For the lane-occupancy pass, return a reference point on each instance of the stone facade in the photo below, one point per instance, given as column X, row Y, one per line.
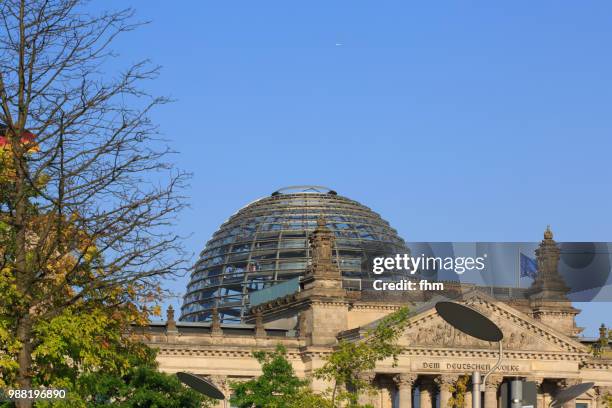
column 540, row 342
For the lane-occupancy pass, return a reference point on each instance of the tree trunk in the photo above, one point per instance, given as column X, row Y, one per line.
column 24, row 377
column 24, row 322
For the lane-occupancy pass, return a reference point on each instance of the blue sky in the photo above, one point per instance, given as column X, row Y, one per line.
column 457, row 121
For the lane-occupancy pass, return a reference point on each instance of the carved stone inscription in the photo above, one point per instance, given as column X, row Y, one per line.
column 467, row 366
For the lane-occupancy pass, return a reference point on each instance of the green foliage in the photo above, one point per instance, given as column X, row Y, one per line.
column 89, row 354
column 76, row 342
column 140, row 387
column 9, row 346
column 458, row 390
column 277, row 387
column 351, row 359
column 608, row 400
column 306, row 398
column 82, row 347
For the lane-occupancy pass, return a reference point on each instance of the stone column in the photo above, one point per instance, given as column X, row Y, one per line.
column 171, row 330
column 404, row 383
column 539, row 382
column 223, row 384
column 445, row 382
column 490, row 398
column 365, row 396
column 260, row 330
column 426, row 388
column 215, row 324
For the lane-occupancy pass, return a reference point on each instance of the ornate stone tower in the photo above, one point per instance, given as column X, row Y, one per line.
column 327, row 310
column 548, row 283
column 548, row 293
column 323, row 277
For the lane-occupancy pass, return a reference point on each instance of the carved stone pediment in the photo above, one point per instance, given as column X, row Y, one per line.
column 521, row 332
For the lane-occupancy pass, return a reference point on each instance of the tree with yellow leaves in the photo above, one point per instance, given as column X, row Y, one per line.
column 88, row 197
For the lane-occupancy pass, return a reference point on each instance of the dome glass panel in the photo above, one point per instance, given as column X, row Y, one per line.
column 266, row 243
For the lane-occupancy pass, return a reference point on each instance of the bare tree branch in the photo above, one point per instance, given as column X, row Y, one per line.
column 100, row 166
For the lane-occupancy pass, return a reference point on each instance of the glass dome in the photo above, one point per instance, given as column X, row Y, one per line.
column 266, row 243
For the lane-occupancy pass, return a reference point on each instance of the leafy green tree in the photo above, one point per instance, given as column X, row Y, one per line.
column 90, row 355
column 306, row 398
column 141, row 385
column 277, row 387
column 458, row 391
column 345, row 366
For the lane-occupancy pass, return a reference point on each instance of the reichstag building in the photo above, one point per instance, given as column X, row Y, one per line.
column 295, row 268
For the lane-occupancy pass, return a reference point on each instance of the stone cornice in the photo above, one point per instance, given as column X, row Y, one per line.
column 328, row 303
column 492, row 354
column 374, row 306
column 227, row 340
column 597, row 364
column 218, row 352
column 308, row 353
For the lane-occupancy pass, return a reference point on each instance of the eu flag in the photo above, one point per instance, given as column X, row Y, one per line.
column 529, row 267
